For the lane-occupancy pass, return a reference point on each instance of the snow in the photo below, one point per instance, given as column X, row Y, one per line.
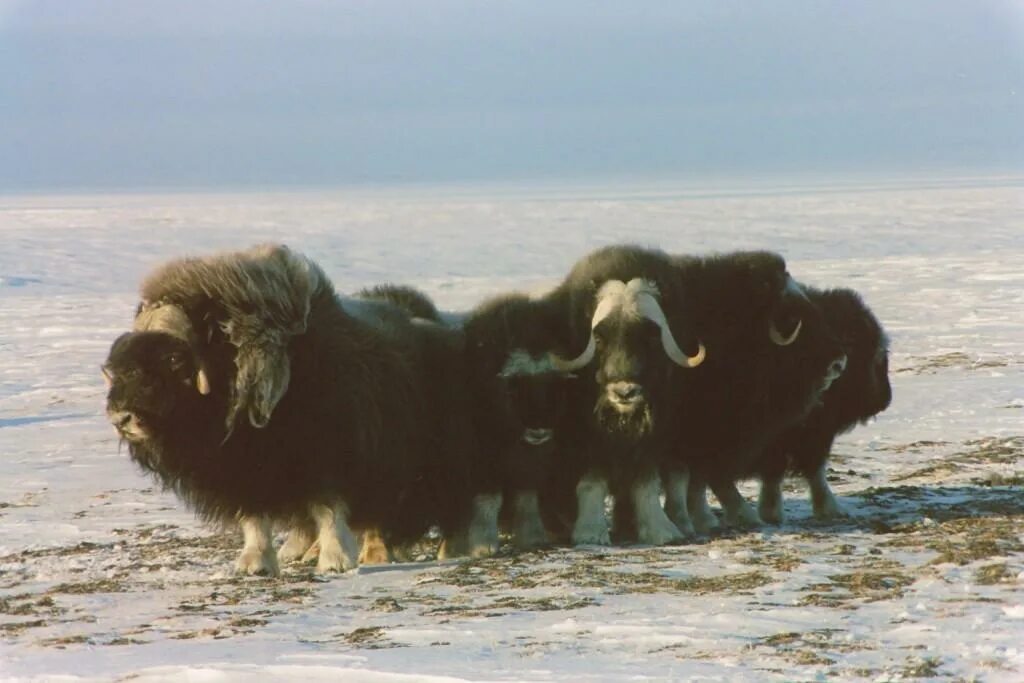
column 104, row 576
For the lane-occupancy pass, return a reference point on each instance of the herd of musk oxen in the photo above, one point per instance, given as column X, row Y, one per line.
column 260, row 396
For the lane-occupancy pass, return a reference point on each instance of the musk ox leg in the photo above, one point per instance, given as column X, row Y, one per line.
column 338, row 548
column 301, row 537
column 591, row 519
column 676, row 490
column 257, row 555
column 704, row 520
column 770, row 501
column 483, row 530
column 653, row 527
column 822, row 499
column 480, row 539
column 374, row 550
column 738, row 512
column 529, row 527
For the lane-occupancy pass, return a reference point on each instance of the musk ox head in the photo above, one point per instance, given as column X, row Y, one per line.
column 534, row 395
column 864, row 389
column 634, row 351
column 156, row 384
column 519, row 389
column 253, row 301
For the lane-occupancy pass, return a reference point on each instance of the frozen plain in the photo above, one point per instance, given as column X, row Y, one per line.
column 103, row 576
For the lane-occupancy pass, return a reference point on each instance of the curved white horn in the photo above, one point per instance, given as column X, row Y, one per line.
column 648, row 307
column 776, row 336
column 609, row 297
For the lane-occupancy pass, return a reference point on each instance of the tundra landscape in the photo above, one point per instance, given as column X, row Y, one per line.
column 105, row 576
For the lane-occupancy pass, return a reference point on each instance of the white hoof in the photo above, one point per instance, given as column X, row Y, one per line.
column 256, row 562
column 658, row 532
column 295, row 546
column 591, row 534
column 770, row 502
column 743, row 515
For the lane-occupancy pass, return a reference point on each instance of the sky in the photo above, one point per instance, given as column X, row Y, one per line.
column 151, row 94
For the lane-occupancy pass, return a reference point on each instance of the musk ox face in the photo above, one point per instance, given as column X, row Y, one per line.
column 634, row 352
column 154, row 380
column 534, row 396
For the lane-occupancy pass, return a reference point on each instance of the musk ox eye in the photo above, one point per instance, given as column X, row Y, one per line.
column 176, row 360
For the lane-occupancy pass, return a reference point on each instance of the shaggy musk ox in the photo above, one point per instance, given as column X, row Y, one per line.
column 861, row 392
column 770, row 355
column 251, row 390
column 518, row 405
column 623, row 305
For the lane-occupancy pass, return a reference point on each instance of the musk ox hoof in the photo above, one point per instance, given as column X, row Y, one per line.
column 659, row 532
column 256, row 562
column 374, row 552
column 683, row 522
column 591, row 534
column 312, row 553
column 704, row 521
column 829, row 508
column 296, row 547
column 743, row 516
column 334, row 560
column 771, row 512
column 531, row 536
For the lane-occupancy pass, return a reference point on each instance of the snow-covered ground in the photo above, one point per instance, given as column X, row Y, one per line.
column 103, row 576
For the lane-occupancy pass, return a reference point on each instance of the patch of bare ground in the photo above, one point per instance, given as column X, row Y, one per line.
column 497, row 574
column 1005, row 450
column 930, row 365
column 964, row 540
column 820, row 647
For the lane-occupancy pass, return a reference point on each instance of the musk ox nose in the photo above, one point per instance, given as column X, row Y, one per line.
column 120, row 418
column 625, row 392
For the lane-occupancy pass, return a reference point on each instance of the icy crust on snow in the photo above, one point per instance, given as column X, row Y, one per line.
column 103, row 576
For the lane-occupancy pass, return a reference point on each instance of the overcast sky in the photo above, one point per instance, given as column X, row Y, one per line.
column 225, row 93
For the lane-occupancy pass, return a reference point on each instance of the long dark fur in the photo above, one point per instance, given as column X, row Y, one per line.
column 623, row 448
column 624, row 445
column 749, row 390
column 510, row 398
column 362, row 418
column 860, row 393
column 409, row 299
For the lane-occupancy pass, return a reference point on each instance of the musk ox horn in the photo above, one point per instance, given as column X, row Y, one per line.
column 648, row 307
column 172, row 320
column 609, row 297
column 777, row 337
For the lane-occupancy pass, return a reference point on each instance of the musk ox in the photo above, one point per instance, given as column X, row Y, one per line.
column 861, row 392
column 252, row 391
column 629, row 343
column 519, row 399
column 770, row 356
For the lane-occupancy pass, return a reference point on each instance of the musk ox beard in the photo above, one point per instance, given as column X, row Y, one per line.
column 248, row 389
column 860, row 393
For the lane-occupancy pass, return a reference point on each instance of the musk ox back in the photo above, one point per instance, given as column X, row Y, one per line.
column 627, row 338
column 247, row 389
column 770, row 355
column 862, row 391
